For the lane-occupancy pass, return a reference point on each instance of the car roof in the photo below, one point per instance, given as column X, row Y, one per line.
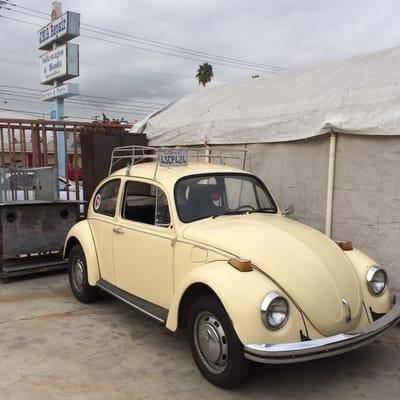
column 169, row 175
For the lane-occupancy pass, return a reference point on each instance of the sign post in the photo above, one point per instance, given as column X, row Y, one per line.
column 59, row 64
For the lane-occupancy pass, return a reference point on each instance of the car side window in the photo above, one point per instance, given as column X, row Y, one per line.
column 105, row 201
column 145, row 203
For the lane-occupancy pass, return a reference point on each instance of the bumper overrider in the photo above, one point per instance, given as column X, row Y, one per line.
column 286, row 353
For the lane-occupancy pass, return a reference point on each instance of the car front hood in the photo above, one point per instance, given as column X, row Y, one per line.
column 306, row 264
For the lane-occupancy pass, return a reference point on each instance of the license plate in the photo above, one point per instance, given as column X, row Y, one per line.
column 173, row 157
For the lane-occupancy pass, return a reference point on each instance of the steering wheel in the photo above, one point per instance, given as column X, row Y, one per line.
column 245, row 206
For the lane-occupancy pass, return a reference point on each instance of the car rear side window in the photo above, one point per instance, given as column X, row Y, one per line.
column 145, row 203
column 105, row 201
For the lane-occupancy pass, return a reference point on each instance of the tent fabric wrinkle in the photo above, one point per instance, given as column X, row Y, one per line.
column 360, row 95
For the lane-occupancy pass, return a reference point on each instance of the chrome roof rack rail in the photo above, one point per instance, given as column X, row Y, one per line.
column 137, row 154
column 133, row 155
column 219, row 153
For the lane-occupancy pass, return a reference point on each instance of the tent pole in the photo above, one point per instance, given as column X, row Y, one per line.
column 207, row 154
column 331, row 181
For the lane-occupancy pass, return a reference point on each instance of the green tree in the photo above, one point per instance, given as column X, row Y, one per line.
column 204, row 73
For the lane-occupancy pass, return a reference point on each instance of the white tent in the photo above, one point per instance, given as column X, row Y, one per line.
column 326, row 139
column 360, row 95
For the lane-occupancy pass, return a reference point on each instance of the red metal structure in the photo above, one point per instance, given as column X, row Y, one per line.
column 33, row 143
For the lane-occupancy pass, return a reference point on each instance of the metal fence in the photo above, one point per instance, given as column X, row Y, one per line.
column 33, row 143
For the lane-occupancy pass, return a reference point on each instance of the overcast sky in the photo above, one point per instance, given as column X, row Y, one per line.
column 292, row 34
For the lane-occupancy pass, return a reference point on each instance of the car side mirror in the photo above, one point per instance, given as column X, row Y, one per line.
column 288, row 210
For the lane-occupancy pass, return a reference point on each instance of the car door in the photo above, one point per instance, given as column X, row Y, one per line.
column 101, row 223
column 143, row 243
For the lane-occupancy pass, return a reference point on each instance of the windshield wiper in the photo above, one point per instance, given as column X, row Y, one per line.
column 263, row 210
column 233, row 212
column 240, row 212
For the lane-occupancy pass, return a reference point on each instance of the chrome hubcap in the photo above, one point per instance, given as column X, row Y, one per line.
column 77, row 273
column 210, row 342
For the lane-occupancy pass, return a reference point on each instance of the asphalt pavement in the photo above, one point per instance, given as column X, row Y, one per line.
column 53, row 347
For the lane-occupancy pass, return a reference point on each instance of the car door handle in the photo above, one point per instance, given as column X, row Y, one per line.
column 118, row 230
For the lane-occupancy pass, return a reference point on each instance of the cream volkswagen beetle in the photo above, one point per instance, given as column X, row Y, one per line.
column 204, row 246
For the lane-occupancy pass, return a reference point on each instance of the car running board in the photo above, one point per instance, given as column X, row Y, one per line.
column 152, row 310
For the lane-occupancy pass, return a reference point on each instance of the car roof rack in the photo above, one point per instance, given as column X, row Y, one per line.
column 133, row 155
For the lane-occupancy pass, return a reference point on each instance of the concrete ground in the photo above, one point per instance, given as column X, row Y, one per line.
column 52, row 347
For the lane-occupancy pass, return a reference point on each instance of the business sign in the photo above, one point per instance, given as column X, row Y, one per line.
column 60, row 30
column 62, row 91
column 60, row 64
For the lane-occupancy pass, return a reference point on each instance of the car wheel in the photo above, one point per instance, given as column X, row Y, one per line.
column 215, row 347
column 78, row 277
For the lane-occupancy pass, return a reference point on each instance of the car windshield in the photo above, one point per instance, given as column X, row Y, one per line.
column 213, row 195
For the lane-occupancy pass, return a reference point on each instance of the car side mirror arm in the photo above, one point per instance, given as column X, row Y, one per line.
column 288, row 210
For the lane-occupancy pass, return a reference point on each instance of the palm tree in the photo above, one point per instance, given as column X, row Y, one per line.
column 204, row 73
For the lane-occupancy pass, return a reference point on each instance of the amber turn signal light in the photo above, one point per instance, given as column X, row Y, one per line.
column 346, row 246
column 241, row 264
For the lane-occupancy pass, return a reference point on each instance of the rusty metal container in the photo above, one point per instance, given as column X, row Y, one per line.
column 32, row 235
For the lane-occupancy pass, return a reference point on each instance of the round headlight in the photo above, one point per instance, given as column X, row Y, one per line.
column 376, row 281
column 274, row 311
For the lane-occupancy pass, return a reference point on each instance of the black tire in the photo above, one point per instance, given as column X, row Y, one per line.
column 234, row 366
column 81, row 290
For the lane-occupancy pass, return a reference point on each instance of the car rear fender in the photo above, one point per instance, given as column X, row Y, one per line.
column 82, row 234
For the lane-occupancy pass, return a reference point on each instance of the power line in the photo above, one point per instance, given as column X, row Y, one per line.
column 20, row 87
column 187, row 50
column 23, row 111
column 115, row 99
column 28, row 9
column 108, row 110
column 171, row 54
column 117, row 73
column 43, row 113
column 210, row 57
column 81, row 106
column 106, row 102
column 152, row 50
column 20, row 12
column 163, row 44
column 119, row 106
column 91, row 96
column 98, row 103
column 216, row 59
column 20, row 20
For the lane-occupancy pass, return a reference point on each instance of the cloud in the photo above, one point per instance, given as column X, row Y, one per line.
column 280, row 32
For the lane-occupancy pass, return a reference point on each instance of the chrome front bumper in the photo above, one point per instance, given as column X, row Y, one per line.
column 286, row 353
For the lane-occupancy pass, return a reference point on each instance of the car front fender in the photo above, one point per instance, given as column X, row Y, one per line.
column 361, row 263
column 82, row 234
column 241, row 294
